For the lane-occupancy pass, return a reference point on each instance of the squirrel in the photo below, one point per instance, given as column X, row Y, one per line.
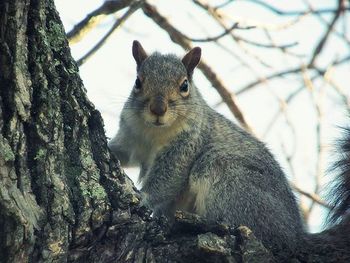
column 193, row 159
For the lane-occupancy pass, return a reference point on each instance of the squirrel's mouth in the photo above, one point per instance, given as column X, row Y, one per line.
column 158, row 123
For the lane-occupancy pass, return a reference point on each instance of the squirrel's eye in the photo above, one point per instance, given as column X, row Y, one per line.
column 184, row 88
column 137, row 86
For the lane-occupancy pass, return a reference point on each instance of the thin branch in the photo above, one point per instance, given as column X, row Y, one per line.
column 115, row 26
column 266, row 78
column 219, row 19
column 281, row 47
column 229, row 51
column 223, row 4
column 213, row 10
column 284, row 25
column 295, row 12
column 81, row 29
column 320, row 149
column 225, row 33
column 94, row 18
column 257, row 44
column 338, row 89
column 285, row 73
column 322, row 42
column 284, row 105
column 238, row 58
column 342, row 35
column 314, row 197
column 177, row 37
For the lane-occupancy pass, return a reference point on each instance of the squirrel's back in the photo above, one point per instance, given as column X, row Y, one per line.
column 237, row 180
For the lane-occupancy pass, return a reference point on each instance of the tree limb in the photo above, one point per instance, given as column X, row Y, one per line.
column 95, row 17
column 116, row 25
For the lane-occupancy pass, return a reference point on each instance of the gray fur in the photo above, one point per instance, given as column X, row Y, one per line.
column 200, row 162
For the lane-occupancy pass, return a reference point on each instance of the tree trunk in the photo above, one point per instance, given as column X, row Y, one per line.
column 62, row 196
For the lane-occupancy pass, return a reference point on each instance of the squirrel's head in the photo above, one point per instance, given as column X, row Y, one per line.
column 163, row 87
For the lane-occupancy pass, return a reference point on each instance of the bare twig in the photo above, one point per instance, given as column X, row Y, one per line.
column 321, row 43
column 312, row 196
column 342, row 35
column 116, row 25
column 290, row 97
column 219, row 19
column 223, row 4
column 285, row 73
column 292, row 13
column 257, row 44
column 225, row 33
column 94, row 18
column 269, row 77
column 320, row 150
column 282, row 47
column 340, row 91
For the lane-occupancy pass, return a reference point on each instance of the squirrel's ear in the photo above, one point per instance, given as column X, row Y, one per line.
column 138, row 53
column 191, row 60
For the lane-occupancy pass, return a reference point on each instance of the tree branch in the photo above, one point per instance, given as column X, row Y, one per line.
column 95, row 17
column 286, row 72
column 225, row 33
column 115, row 26
column 312, row 196
column 322, row 42
column 295, row 12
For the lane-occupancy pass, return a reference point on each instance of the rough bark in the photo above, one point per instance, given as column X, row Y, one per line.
column 62, row 196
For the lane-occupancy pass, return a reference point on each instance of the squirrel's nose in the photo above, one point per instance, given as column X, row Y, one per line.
column 158, row 107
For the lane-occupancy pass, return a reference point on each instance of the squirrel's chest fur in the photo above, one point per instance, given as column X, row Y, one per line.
column 153, row 145
column 175, row 158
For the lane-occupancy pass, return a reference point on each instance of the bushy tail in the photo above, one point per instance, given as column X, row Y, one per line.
column 333, row 244
column 340, row 195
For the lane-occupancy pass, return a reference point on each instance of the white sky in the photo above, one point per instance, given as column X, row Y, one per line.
column 109, row 75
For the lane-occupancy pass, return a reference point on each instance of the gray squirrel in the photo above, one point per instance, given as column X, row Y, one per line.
column 193, row 159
